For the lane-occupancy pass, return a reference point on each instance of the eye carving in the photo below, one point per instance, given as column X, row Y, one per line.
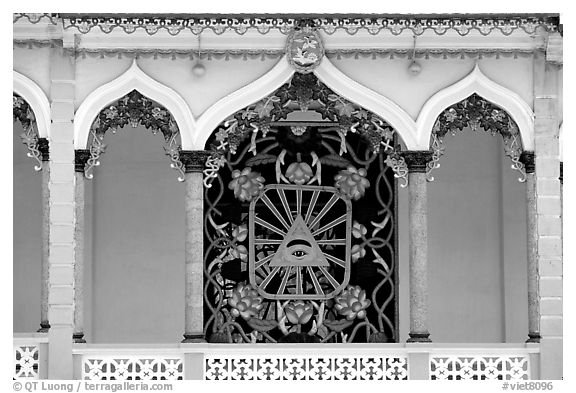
column 299, row 253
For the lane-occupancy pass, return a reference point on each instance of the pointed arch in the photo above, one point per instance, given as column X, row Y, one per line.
column 476, row 82
column 35, row 97
column 343, row 85
column 133, row 79
column 387, row 109
column 237, row 100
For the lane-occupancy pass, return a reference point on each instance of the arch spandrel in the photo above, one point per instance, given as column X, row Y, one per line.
column 384, row 107
column 340, row 83
column 35, row 97
column 133, row 79
column 227, row 106
column 476, row 83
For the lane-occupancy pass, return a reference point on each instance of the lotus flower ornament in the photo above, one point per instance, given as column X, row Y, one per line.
column 352, row 182
column 299, row 173
column 245, row 302
column 246, row 184
column 352, row 303
column 298, row 312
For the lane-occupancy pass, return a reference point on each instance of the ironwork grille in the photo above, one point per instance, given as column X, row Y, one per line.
column 300, row 226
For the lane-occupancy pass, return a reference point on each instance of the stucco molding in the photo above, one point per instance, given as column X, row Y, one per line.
column 387, row 109
column 239, row 99
column 35, row 97
column 133, row 79
column 476, row 82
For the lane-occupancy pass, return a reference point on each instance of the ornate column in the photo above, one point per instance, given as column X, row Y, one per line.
column 194, row 249
column 418, row 220
column 527, row 158
column 44, row 150
column 62, row 243
column 547, row 90
column 80, row 158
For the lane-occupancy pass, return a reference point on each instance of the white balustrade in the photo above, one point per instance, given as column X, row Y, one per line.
column 305, row 368
column 29, row 355
column 504, row 363
column 306, row 361
column 112, row 362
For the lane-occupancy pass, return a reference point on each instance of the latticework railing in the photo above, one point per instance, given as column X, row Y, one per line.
column 132, row 365
column 483, row 362
column 306, row 368
column 352, row 361
column 479, row 367
column 29, row 355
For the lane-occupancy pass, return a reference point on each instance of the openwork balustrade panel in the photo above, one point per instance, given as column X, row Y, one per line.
column 26, row 362
column 132, row 368
column 306, row 368
column 479, row 367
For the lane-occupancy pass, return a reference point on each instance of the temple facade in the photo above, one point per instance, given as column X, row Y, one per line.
column 227, row 197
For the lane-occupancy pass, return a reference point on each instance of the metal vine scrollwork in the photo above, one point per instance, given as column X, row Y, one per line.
column 476, row 112
column 135, row 109
column 299, row 94
column 300, row 222
column 22, row 112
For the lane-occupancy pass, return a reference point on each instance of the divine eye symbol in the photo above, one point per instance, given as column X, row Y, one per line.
column 299, row 253
column 299, row 242
column 299, row 248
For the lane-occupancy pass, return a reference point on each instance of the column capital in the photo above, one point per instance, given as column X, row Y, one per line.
column 81, row 156
column 417, row 160
column 194, row 160
column 44, row 149
column 527, row 158
column 554, row 48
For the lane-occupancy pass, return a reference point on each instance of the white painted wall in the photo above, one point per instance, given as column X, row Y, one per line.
column 35, row 64
column 387, row 77
column 27, row 218
column 221, row 78
column 476, row 244
column 391, row 78
column 136, row 257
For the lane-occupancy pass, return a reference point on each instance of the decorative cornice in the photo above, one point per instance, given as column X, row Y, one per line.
column 191, row 54
column 35, row 18
column 440, row 53
column 44, row 149
column 194, row 160
column 263, row 54
column 31, row 43
column 417, row 160
column 327, row 23
column 81, row 157
column 527, row 158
